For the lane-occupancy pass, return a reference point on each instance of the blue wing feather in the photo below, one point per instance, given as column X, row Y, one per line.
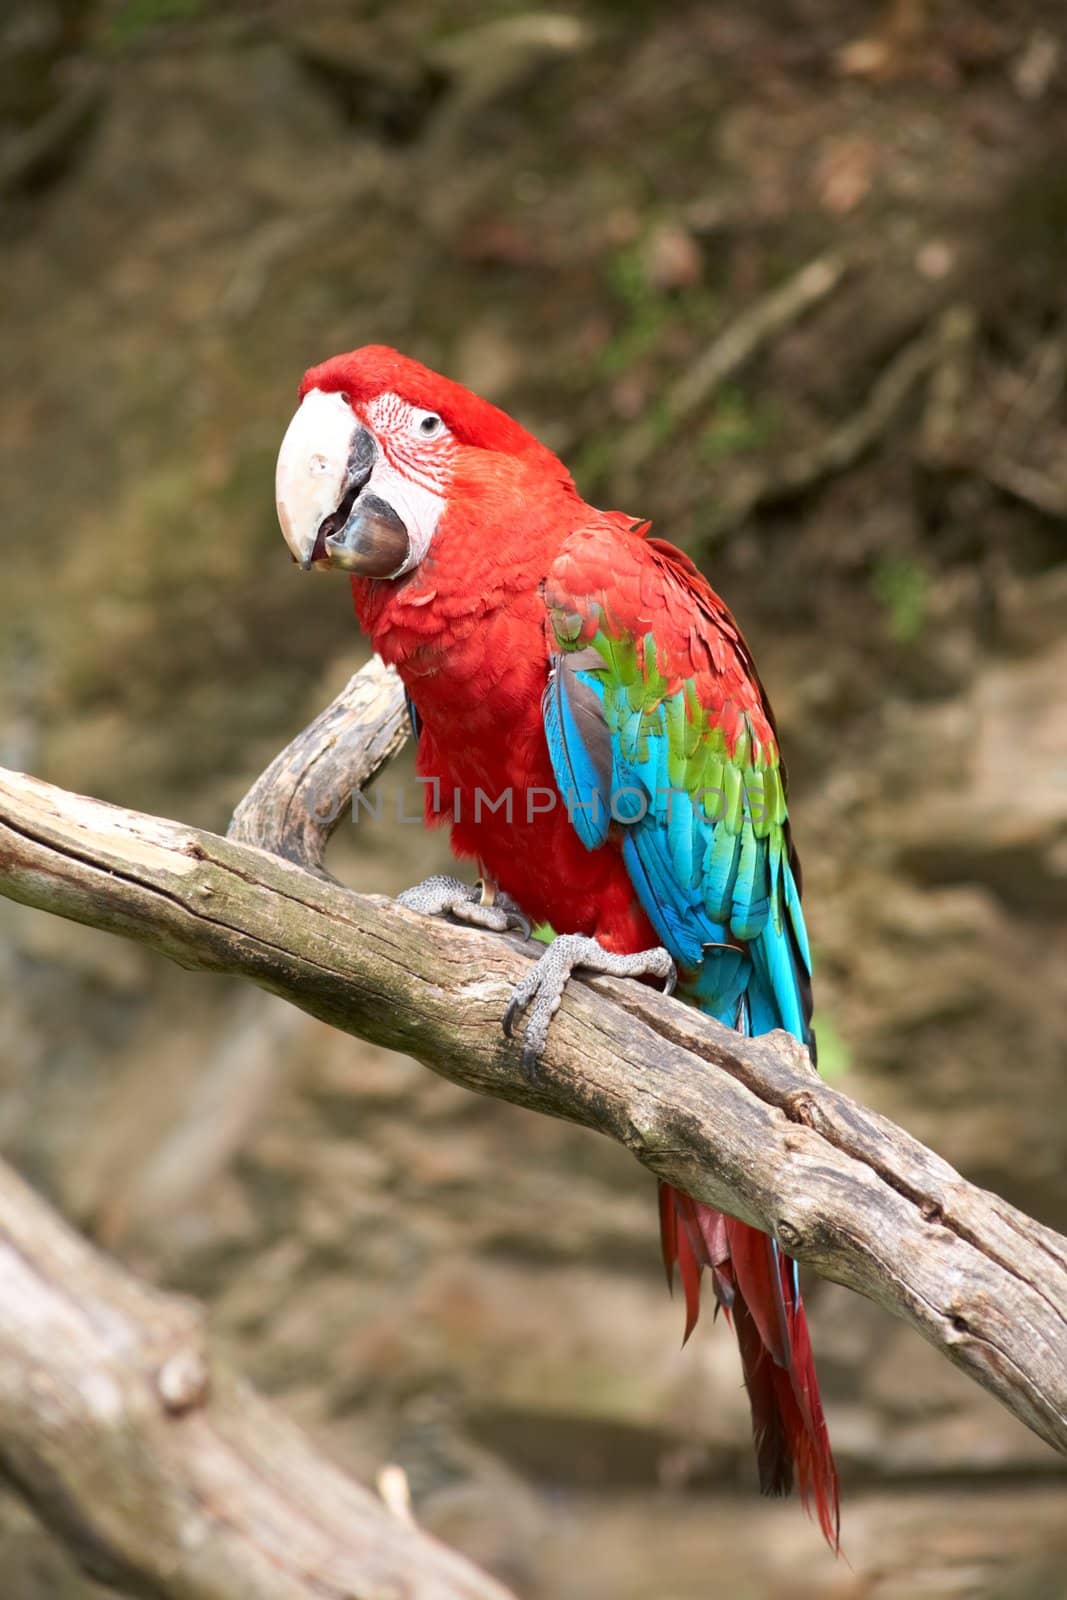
column 583, row 785
column 717, row 886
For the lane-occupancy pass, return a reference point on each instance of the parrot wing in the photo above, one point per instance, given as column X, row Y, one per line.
column 657, row 724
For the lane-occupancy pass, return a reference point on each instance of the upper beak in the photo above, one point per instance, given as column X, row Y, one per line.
column 324, row 464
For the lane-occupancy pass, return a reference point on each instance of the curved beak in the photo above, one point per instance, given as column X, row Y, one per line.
column 327, row 515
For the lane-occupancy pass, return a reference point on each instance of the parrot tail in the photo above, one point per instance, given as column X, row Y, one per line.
column 756, row 1286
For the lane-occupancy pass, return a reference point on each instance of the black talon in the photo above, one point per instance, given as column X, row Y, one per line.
column 508, row 1020
column 531, row 1064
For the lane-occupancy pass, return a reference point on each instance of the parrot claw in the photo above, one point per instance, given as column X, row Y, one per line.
column 503, row 917
column 479, row 906
column 541, row 991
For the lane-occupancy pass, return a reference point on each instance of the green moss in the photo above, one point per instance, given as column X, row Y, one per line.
column 901, row 586
column 137, row 17
column 740, row 424
column 835, row 1057
column 646, row 312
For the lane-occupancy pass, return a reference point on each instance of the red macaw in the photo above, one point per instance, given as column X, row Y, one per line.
column 561, row 656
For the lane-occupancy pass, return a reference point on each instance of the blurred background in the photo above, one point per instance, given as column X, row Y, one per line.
column 564, row 209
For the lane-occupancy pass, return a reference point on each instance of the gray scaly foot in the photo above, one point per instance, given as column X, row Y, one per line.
column 541, row 991
column 480, row 904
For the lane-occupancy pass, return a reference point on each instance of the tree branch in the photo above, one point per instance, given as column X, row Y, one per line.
column 296, row 805
column 727, row 354
column 760, row 1135
column 836, row 450
column 162, row 1472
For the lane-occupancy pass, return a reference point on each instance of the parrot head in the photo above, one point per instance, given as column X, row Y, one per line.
column 381, row 450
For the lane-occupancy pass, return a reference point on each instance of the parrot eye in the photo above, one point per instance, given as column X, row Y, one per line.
column 430, row 425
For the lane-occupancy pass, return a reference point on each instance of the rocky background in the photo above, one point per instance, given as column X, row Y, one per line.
column 565, row 210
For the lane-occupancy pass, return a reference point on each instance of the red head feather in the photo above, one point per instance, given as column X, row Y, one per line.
column 376, row 369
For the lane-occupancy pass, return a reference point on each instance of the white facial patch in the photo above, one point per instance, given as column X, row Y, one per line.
column 412, row 473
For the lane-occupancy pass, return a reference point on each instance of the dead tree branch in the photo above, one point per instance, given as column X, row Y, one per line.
column 838, row 450
column 726, row 355
column 743, row 1124
column 295, row 806
column 162, row 1472
column 944, row 443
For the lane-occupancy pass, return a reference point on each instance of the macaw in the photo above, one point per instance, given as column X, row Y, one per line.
column 563, row 657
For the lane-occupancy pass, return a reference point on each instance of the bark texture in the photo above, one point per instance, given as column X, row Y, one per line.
column 162, row 1472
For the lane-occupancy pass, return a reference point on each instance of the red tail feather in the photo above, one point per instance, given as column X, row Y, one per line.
column 754, row 1285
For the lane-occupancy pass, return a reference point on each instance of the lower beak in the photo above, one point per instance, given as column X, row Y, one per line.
column 328, row 516
column 372, row 543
